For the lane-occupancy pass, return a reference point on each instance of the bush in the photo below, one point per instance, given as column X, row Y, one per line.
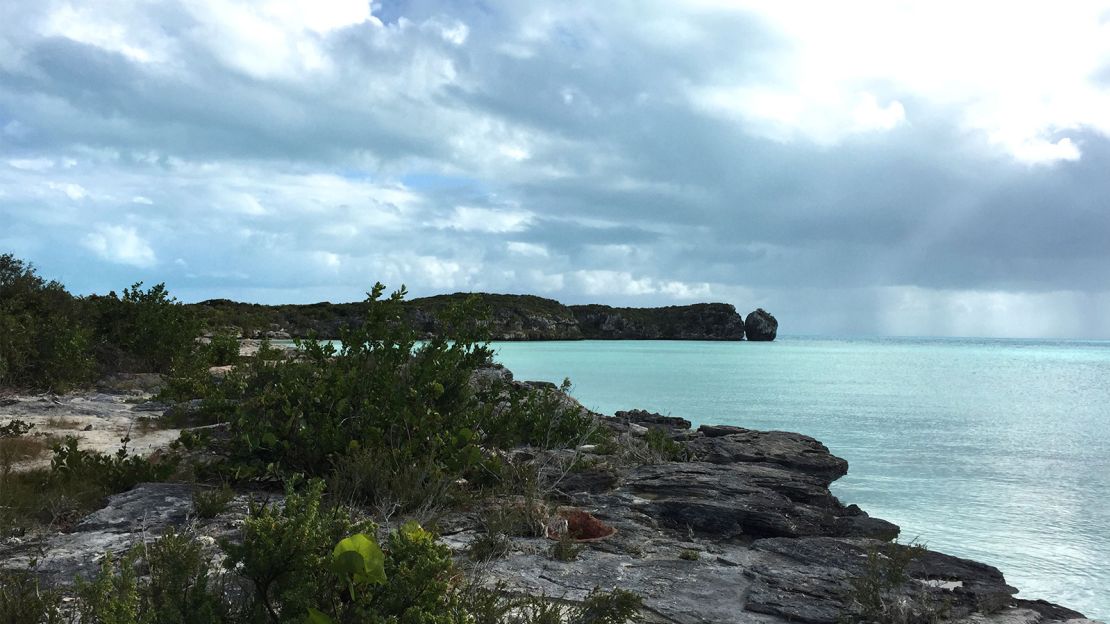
column 176, row 591
column 42, row 342
column 222, row 350
column 144, row 331
column 209, row 503
column 180, row 590
column 615, row 607
column 543, row 418
column 881, row 593
column 24, row 601
column 285, row 553
column 109, row 473
column 406, row 403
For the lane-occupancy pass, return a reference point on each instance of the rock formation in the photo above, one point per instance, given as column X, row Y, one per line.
column 743, row 529
column 760, row 326
column 512, row 317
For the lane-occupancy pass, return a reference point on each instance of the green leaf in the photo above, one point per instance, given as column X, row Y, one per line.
column 358, row 558
column 318, row 617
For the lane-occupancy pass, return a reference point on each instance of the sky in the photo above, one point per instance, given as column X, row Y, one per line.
column 861, row 167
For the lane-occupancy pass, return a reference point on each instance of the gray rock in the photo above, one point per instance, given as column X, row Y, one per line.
column 747, row 499
column 760, row 326
column 792, row 451
column 810, row 580
column 146, row 510
column 652, row 420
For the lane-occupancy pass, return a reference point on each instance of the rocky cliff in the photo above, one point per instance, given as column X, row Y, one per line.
column 526, row 317
column 511, row 317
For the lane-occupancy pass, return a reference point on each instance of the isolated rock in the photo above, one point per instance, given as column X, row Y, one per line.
column 760, row 326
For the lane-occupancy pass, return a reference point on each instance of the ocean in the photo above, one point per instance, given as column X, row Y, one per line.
column 995, row 450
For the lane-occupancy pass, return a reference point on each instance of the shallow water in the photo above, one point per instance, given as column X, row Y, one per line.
column 996, row 450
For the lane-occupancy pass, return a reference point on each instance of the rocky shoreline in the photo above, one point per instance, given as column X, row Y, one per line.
column 737, row 525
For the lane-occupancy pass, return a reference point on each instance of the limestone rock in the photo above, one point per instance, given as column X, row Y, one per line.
column 790, row 450
column 760, row 326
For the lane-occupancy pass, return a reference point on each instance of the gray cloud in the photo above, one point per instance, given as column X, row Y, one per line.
column 577, row 152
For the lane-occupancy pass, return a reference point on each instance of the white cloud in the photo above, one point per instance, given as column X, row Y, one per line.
column 1017, row 72
column 527, row 249
column 69, row 189
column 472, row 219
column 120, row 244
column 609, row 283
column 31, row 164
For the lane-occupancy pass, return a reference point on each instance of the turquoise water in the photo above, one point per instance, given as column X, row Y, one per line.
column 996, row 450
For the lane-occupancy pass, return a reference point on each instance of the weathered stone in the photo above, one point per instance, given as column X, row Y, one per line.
column 652, row 420
column 793, row 451
column 751, row 500
column 760, row 326
column 809, row 579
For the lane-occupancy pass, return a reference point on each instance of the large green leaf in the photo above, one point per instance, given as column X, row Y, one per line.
column 318, row 617
column 359, row 559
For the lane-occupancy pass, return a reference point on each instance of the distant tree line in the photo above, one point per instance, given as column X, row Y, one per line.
column 50, row 339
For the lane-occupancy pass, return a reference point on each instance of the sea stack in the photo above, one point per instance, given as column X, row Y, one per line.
column 760, row 326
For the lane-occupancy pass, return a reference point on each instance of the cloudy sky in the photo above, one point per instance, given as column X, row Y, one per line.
column 870, row 167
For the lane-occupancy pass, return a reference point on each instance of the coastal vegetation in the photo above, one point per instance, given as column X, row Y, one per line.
column 329, row 482
column 396, row 424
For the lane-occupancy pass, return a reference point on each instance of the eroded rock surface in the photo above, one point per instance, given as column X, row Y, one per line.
column 99, row 420
column 745, row 531
column 139, row 515
column 760, row 326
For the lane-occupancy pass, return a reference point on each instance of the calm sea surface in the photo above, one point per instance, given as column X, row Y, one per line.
column 997, row 450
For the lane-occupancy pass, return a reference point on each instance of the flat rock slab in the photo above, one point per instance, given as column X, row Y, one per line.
column 810, row 579
column 98, row 420
column 746, row 500
column 793, row 451
column 130, row 518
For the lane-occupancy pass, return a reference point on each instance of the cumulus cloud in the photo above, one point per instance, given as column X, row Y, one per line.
column 120, row 244
column 847, row 166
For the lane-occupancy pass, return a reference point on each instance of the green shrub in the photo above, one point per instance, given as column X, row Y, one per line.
column 180, row 590
column 614, row 607
column 43, row 343
column 15, row 428
column 565, row 548
column 110, row 473
column 543, row 418
column 881, row 594
column 488, row 546
column 211, row 502
column 286, row 551
column 24, row 601
column 406, row 403
column 143, row 331
column 177, row 589
column 112, row 596
column 663, row 446
column 222, row 350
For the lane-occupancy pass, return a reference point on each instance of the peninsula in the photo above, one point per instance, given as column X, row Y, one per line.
column 510, row 317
